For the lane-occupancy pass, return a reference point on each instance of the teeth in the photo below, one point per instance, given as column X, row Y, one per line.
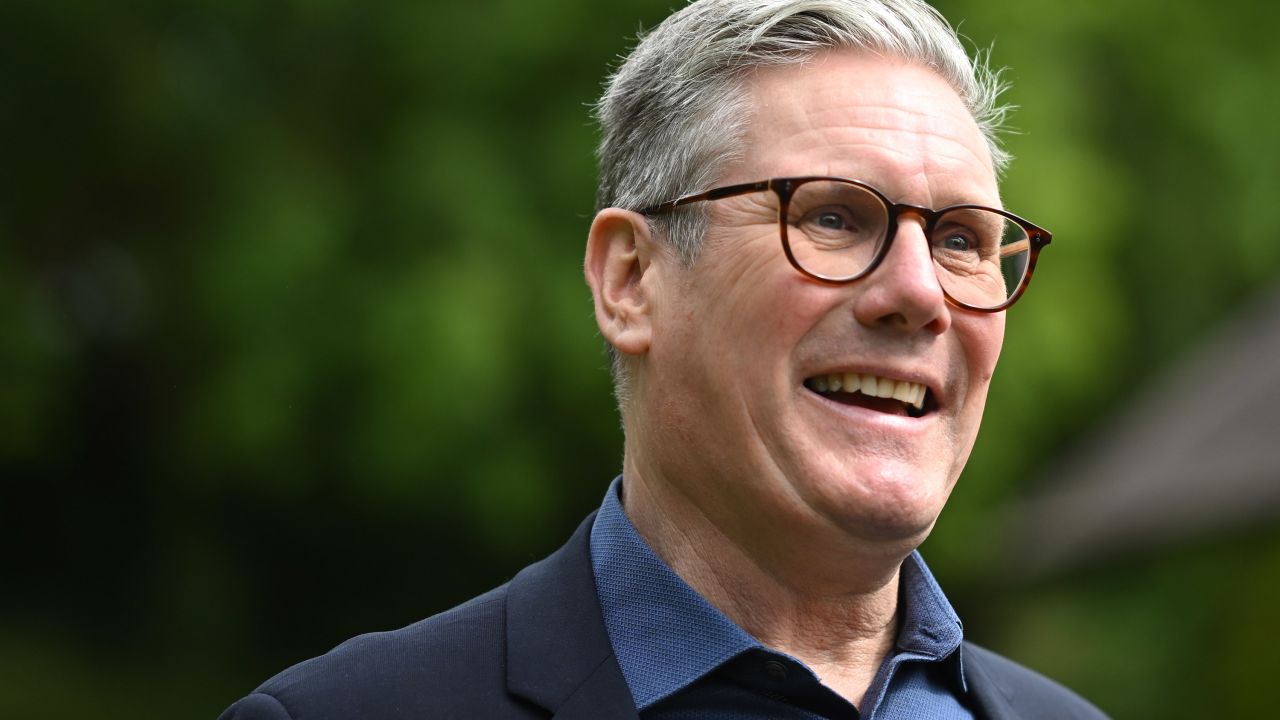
column 902, row 390
column 906, row 392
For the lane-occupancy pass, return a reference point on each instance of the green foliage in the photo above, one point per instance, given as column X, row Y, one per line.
column 297, row 344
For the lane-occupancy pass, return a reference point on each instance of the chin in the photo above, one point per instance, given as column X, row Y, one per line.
column 883, row 504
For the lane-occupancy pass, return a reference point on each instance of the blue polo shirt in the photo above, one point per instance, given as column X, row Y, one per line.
column 685, row 660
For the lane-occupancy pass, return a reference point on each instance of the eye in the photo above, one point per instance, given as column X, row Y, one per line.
column 831, row 220
column 956, row 242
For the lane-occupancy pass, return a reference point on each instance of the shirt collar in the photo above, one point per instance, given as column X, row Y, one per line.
column 666, row 636
column 929, row 627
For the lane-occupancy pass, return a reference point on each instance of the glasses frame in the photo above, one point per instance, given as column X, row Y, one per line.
column 785, row 188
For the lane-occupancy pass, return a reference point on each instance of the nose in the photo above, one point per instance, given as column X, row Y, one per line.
column 903, row 293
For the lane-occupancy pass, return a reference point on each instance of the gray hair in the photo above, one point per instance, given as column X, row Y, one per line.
column 674, row 113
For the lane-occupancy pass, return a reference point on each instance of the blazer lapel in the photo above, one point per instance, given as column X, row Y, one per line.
column 992, row 696
column 558, row 652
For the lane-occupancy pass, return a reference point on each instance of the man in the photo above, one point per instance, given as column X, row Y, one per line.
column 801, row 266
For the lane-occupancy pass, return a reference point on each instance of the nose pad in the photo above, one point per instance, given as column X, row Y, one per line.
column 910, row 251
column 904, row 290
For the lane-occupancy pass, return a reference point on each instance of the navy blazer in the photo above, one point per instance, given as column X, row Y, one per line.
column 537, row 648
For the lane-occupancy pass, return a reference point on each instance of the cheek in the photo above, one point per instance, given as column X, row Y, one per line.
column 761, row 306
column 983, row 336
column 773, row 324
column 981, row 339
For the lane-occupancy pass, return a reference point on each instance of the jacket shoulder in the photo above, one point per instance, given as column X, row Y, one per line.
column 1024, row 691
column 450, row 665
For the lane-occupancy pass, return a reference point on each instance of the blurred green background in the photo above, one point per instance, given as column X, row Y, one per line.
column 295, row 343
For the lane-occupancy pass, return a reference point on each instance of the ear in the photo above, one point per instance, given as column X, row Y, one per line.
column 619, row 254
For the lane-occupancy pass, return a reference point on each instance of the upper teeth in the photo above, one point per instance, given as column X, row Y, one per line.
column 873, row 385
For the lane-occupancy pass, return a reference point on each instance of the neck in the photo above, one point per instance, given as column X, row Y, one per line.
column 834, row 611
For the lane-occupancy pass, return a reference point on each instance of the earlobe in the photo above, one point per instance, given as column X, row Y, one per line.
column 619, row 254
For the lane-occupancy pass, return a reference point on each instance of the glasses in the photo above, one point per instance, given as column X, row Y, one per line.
column 837, row 231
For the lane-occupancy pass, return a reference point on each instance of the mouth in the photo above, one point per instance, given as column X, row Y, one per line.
column 881, row 394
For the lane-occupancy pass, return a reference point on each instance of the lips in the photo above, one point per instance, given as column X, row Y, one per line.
column 890, row 395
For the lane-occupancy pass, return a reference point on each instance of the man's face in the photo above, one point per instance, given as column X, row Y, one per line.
column 740, row 337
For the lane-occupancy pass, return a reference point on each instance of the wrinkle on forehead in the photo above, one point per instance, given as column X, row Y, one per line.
column 929, row 132
column 907, row 132
column 903, row 166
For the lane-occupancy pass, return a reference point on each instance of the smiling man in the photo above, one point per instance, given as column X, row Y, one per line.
column 801, row 265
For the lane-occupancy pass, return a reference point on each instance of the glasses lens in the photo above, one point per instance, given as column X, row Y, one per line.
column 980, row 255
column 835, row 229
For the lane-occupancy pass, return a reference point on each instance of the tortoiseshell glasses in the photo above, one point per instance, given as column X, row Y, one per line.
column 837, row 230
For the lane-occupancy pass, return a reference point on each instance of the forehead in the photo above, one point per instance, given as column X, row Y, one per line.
column 887, row 121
